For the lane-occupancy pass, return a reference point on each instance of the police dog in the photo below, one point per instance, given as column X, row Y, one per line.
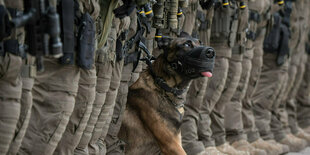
column 153, row 117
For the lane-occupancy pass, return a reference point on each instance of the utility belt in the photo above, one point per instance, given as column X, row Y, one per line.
column 82, row 40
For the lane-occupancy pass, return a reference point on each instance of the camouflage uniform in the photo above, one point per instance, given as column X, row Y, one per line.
column 10, row 84
column 262, row 8
column 212, row 109
column 108, row 71
column 296, row 71
column 28, row 73
column 54, row 95
column 84, row 99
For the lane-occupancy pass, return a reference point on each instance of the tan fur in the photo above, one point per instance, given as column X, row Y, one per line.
column 151, row 121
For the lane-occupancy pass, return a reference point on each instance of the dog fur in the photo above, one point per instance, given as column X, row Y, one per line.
column 152, row 122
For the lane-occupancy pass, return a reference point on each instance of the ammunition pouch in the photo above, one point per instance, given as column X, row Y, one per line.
column 12, row 46
column 225, row 25
column 86, row 42
column 272, row 40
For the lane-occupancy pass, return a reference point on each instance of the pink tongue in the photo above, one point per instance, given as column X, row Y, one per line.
column 206, row 74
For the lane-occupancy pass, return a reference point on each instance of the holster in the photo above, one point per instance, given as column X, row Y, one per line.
column 86, row 42
column 284, row 49
column 272, row 40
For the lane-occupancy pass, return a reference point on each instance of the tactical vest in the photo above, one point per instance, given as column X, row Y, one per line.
column 225, row 25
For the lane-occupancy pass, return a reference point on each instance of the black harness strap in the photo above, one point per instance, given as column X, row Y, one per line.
column 159, row 81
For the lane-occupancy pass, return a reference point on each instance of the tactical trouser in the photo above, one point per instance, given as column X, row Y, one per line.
column 291, row 106
column 267, row 91
column 218, row 114
column 81, row 113
column 104, row 74
column 28, row 73
column 102, row 126
column 213, row 93
column 190, row 17
column 303, row 98
column 10, row 95
column 234, row 108
column 105, row 86
column 189, row 127
column 279, row 118
column 248, row 118
column 113, row 144
column 286, row 113
column 54, row 95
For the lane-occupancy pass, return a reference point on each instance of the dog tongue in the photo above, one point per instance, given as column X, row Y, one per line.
column 206, row 74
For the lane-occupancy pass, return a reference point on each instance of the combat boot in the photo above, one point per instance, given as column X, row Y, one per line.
column 295, row 144
column 269, row 148
column 282, row 147
column 243, row 145
column 213, row 151
column 303, row 135
column 229, row 150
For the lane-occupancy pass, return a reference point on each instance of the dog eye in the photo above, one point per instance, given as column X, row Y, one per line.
column 187, row 44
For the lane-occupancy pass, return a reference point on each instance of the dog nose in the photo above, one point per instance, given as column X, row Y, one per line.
column 210, row 53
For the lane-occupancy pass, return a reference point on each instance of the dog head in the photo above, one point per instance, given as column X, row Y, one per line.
column 188, row 57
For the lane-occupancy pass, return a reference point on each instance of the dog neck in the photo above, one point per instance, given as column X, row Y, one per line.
column 162, row 69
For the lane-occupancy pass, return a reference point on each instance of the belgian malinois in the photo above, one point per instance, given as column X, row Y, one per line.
column 152, row 117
